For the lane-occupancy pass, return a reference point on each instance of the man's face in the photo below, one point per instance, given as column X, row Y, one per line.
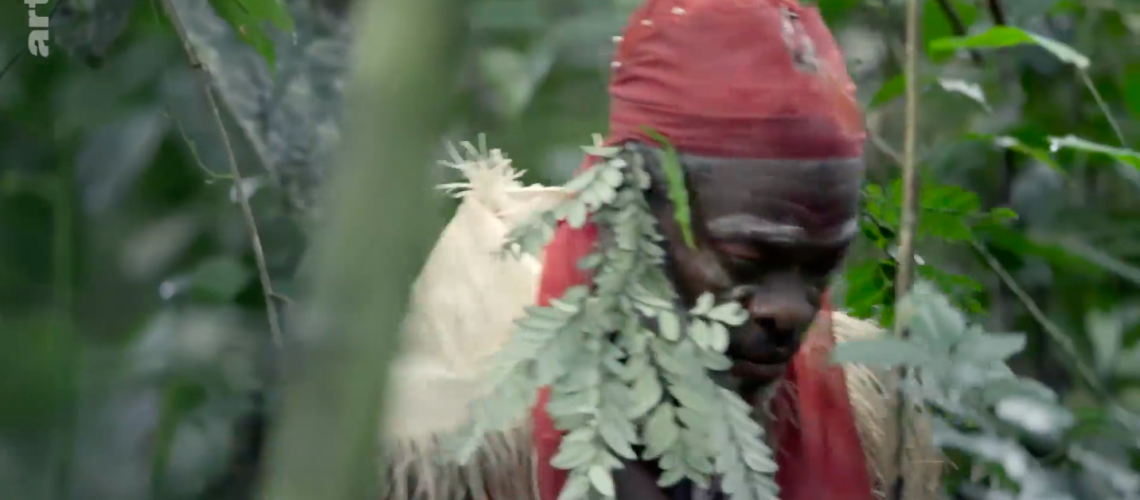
column 769, row 234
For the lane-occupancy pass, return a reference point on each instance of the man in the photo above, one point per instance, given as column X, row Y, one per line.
column 755, row 96
column 756, row 99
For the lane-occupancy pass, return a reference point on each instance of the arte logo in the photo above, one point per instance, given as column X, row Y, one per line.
column 37, row 29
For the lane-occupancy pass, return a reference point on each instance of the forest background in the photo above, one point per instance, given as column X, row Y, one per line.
column 145, row 329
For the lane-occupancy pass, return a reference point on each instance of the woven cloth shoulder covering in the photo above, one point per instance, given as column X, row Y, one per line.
column 741, row 78
column 875, row 418
column 462, row 310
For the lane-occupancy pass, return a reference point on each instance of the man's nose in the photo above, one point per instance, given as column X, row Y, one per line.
column 781, row 320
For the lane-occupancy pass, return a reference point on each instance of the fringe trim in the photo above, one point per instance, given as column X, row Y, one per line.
column 490, row 178
column 503, row 469
column 420, row 467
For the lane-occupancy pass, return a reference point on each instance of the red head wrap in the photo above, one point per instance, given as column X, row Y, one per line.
column 747, row 79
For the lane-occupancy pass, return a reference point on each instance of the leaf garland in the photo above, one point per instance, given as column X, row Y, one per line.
column 629, row 370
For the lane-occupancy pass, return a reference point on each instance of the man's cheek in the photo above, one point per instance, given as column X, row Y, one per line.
column 711, row 271
column 695, row 272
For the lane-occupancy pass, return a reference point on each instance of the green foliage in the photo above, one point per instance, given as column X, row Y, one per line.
column 678, row 188
column 1126, row 156
column 986, row 417
column 947, row 214
column 248, row 18
column 616, row 383
column 1008, row 36
column 219, row 279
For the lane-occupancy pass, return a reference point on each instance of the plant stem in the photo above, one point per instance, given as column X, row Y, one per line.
column 907, row 224
column 1103, row 106
column 378, row 223
column 1062, row 339
column 909, row 216
column 958, row 27
column 203, row 74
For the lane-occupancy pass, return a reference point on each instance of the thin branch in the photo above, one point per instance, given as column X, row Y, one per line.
column 1009, row 158
column 996, row 11
column 883, row 146
column 957, row 26
column 203, row 74
column 907, row 224
column 1062, row 339
column 211, row 176
column 909, row 216
column 1103, row 106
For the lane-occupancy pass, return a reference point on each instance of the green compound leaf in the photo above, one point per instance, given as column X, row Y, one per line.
column 678, row 193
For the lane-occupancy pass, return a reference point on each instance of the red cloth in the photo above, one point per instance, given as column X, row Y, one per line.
column 814, row 425
column 559, row 272
column 717, row 78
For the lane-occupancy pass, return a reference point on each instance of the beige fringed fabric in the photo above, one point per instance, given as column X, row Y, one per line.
column 876, row 419
column 463, row 307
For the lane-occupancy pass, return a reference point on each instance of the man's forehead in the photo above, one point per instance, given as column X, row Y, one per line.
column 790, row 200
column 748, row 172
column 752, row 227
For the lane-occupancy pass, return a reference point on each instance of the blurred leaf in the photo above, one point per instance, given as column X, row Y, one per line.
column 935, row 25
column 219, row 279
column 1035, row 415
column 1015, row 144
column 890, row 90
column 999, row 389
column 885, row 352
column 37, row 361
column 1106, row 334
column 248, row 18
column 988, row 348
column 965, row 88
column 86, row 30
column 1100, row 258
column 964, row 291
column 1008, row 36
column 868, row 287
column 515, row 76
column 1132, row 89
column 1126, row 156
column 179, row 398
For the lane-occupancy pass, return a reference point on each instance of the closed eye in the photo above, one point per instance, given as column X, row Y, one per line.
column 739, row 251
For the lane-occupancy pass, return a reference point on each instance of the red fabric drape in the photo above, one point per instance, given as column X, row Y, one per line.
column 717, row 78
column 819, row 454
